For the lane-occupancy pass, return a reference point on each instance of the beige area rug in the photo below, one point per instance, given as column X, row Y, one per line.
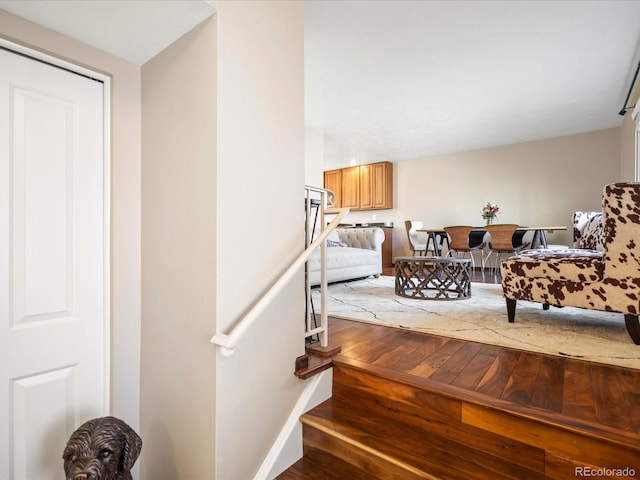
column 569, row 332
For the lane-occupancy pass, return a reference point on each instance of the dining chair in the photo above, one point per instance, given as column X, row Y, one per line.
column 418, row 247
column 505, row 238
column 415, row 241
column 459, row 243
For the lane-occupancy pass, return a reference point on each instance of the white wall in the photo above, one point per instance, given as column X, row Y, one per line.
column 178, row 257
column 260, row 214
column 125, row 200
column 223, row 189
column 256, row 195
column 534, row 183
column 313, row 156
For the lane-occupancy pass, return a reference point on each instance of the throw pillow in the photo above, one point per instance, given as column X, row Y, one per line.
column 333, row 236
column 333, row 243
column 593, row 234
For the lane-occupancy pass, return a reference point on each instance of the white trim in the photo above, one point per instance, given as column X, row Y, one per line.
column 56, row 62
column 302, row 405
column 635, row 115
column 106, row 149
column 106, row 152
column 635, row 112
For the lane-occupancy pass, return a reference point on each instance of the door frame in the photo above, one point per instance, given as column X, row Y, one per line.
column 635, row 116
column 106, row 162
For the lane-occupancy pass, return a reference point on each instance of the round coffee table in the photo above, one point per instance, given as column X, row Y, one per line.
column 433, row 278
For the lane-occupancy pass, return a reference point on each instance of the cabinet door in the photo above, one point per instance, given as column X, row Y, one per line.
column 333, row 182
column 366, row 186
column 351, row 187
column 381, row 185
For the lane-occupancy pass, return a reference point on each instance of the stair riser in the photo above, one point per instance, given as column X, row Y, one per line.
column 431, row 415
column 503, row 438
column 561, row 447
column 320, row 445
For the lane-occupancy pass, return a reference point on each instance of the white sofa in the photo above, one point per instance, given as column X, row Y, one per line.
column 351, row 253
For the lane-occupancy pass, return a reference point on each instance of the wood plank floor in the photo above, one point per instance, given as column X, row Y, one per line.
column 596, row 399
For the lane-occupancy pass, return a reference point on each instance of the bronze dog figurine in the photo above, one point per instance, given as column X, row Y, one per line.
column 101, row 449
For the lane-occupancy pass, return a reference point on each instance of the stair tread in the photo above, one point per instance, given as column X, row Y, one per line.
column 425, row 452
column 336, row 469
column 314, row 366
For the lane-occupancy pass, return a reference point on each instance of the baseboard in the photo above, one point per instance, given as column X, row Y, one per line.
column 287, row 448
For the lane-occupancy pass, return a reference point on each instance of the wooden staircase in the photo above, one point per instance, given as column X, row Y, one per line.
column 385, row 423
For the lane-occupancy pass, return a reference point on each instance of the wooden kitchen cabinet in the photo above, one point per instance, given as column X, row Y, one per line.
column 365, row 186
column 351, row 188
column 362, row 187
column 376, row 186
column 333, row 182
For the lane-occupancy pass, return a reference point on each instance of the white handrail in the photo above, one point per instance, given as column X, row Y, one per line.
column 228, row 342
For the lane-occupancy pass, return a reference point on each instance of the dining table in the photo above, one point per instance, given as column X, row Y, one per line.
column 539, row 239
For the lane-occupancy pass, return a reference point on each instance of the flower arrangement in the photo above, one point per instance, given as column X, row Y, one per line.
column 489, row 212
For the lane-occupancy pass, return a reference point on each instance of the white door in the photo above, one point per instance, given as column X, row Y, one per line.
column 53, row 263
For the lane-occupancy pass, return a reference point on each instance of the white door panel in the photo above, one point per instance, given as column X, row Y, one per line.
column 53, row 297
column 35, row 393
column 43, row 205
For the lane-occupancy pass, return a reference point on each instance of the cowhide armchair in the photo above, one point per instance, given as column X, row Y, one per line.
column 606, row 280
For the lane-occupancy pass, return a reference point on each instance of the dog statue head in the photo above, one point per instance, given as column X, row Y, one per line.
column 101, row 449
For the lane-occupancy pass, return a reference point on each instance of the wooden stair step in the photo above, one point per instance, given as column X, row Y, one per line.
column 309, row 365
column 316, row 360
column 531, row 439
column 421, row 413
column 327, row 469
column 390, row 450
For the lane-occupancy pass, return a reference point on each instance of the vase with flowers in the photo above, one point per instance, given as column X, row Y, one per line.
column 489, row 212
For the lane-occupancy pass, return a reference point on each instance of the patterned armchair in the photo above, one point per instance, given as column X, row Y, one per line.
column 607, row 280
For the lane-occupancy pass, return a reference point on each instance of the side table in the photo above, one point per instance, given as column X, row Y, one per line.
column 433, row 278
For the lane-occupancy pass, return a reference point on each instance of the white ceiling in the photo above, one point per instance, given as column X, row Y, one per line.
column 396, row 80
column 135, row 30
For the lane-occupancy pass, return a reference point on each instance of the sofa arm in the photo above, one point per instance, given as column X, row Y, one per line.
column 368, row 238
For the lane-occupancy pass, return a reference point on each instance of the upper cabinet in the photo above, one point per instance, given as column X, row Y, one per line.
column 351, row 188
column 363, row 187
column 333, row 182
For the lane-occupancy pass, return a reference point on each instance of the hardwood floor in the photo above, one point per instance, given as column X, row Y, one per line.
column 413, row 405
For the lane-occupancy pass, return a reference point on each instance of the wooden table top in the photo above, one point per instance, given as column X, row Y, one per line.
column 546, row 229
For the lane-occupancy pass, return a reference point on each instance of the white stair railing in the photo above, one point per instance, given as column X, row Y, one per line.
column 227, row 342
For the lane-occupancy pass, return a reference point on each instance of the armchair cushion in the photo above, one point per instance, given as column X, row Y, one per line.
column 571, row 264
